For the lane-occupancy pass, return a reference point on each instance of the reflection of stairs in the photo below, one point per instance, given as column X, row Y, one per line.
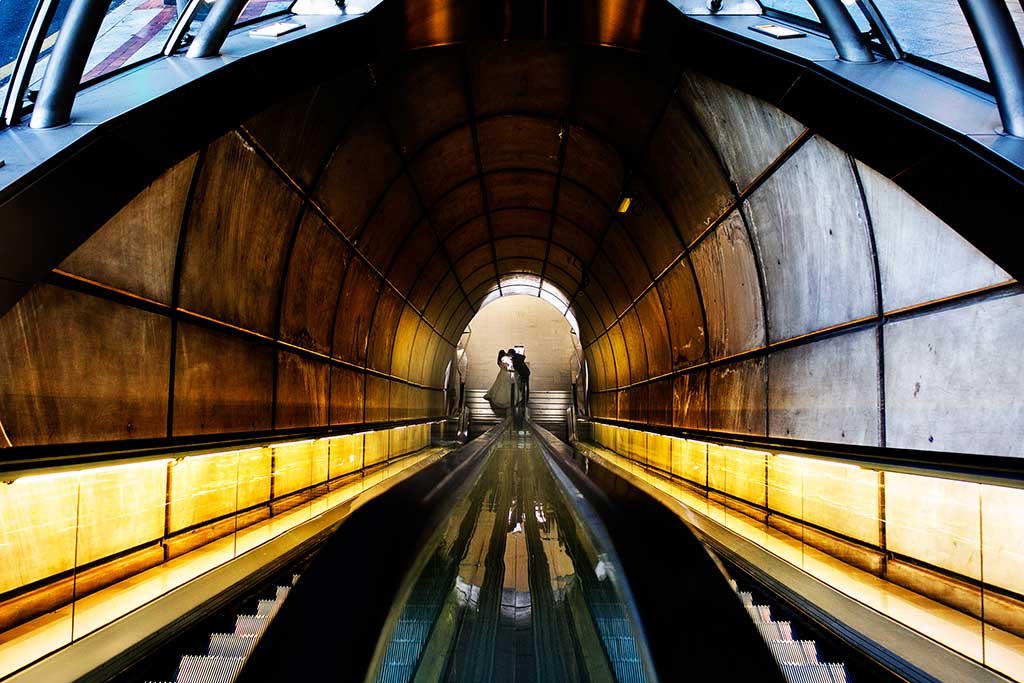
column 546, row 408
column 798, row 659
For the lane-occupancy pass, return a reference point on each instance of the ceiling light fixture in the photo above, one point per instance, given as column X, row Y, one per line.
column 624, row 204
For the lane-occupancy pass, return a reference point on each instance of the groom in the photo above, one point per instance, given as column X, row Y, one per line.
column 522, row 375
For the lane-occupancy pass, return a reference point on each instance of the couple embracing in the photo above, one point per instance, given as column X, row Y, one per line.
column 512, row 372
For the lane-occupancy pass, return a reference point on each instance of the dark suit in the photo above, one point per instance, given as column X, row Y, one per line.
column 522, row 374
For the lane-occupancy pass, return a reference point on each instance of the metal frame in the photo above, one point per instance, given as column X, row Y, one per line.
column 1003, row 55
column 215, row 29
column 27, row 56
column 181, row 27
column 850, row 43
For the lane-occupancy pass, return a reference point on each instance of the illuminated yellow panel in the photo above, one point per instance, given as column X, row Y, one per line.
column 206, row 487
column 839, row 497
column 120, row 508
column 659, row 452
column 738, row 472
column 37, row 528
column 1003, row 549
column 689, row 460
column 401, row 441
column 346, row 454
column 934, row 520
column 633, row 445
column 376, row 448
column 299, row 465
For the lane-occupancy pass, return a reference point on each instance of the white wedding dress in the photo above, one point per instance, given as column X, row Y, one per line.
column 500, row 392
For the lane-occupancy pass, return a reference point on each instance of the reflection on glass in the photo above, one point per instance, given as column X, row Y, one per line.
column 938, row 31
column 255, row 9
column 15, row 16
column 131, row 31
column 799, row 8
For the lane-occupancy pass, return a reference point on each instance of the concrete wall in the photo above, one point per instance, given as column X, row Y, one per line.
column 527, row 321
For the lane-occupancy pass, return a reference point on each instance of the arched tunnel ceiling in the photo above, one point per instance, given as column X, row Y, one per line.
column 316, row 265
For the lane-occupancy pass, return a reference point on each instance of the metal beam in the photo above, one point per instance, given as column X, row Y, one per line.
column 1003, row 55
column 215, row 28
column 851, row 45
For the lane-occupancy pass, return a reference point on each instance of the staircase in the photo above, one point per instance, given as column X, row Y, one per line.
column 546, row 408
column 798, row 659
column 227, row 652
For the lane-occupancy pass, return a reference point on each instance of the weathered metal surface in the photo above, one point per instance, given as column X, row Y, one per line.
column 827, row 390
column 355, row 308
column 360, row 168
column 301, row 130
column 135, row 250
column 685, row 171
column 628, row 261
column 302, row 392
column 647, row 221
column 812, row 243
column 241, row 222
column 593, row 163
column 681, row 302
column 515, row 222
column 659, row 411
column 690, row 400
column 77, row 368
column 605, row 274
column 519, row 142
column 412, row 256
column 920, row 258
column 425, row 96
column 519, row 188
column 466, row 238
column 221, row 383
column 346, row 396
column 378, row 391
column 656, row 341
column 520, row 76
column 444, row 164
column 513, row 247
column 583, row 208
column 315, row 274
column 405, row 336
column 634, row 336
column 737, row 397
column 428, row 280
column 727, row 273
column 382, row 331
column 622, row 353
column 953, row 379
column 748, row 133
column 457, row 206
column 389, row 224
column 575, row 239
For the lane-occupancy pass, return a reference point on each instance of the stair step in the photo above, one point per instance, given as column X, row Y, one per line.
column 230, row 645
column 207, row 669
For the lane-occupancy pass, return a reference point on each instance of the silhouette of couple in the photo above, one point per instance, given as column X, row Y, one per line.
column 512, row 382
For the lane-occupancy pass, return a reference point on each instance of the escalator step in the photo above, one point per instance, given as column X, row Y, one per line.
column 794, row 651
column 250, row 625
column 205, row 669
column 814, row 673
column 230, row 645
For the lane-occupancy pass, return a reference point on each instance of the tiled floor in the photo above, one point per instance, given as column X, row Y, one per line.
column 998, row 649
column 26, row 643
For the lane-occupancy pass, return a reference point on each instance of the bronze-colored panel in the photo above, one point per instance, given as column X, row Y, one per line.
column 519, row 142
column 458, row 206
column 444, row 164
column 737, row 397
column 509, row 222
column 235, row 250
column 602, row 307
column 302, row 392
column 690, row 400
column 566, row 269
column 603, row 405
column 625, row 408
column 315, row 275
column 659, row 406
column 377, row 396
column 604, row 272
column 618, row 98
column 506, row 189
column 592, row 356
column 300, row 130
column 621, row 352
column 451, row 310
column 428, row 280
column 135, row 250
column 470, row 236
column 405, row 335
column 360, row 169
column 576, row 240
column 77, row 368
column 594, row 164
column 447, row 289
column 459, row 321
column 382, row 332
column 634, row 334
column 426, row 97
column 635, row 408
column 469, row 264
column 586, row 316
column 391, row 222
column 683, row 312
column 629, row 264
column 423, row 348
column 221, row 383
column 687, row 174
column 522, row 264
column 412, row 257
column 564, row 282
column 647, row 221
column 520, row 76
column 582, row 208
column 352, row 321
column 436, row 363
column 399, row 407
column 346, row 396
column 514, row 247
column 659, row 350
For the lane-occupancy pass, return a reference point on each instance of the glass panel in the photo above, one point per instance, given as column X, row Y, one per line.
column 52, row 32
column 133, row 30
column 81, row 549
column 798, row 7
column 15, row 16
column 511, row 290
column 938, row 31
column 254, row 9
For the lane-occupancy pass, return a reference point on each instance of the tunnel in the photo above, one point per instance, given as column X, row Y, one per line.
column 788, row 282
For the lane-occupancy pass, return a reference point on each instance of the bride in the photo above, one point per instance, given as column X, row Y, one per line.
column 499, row 395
